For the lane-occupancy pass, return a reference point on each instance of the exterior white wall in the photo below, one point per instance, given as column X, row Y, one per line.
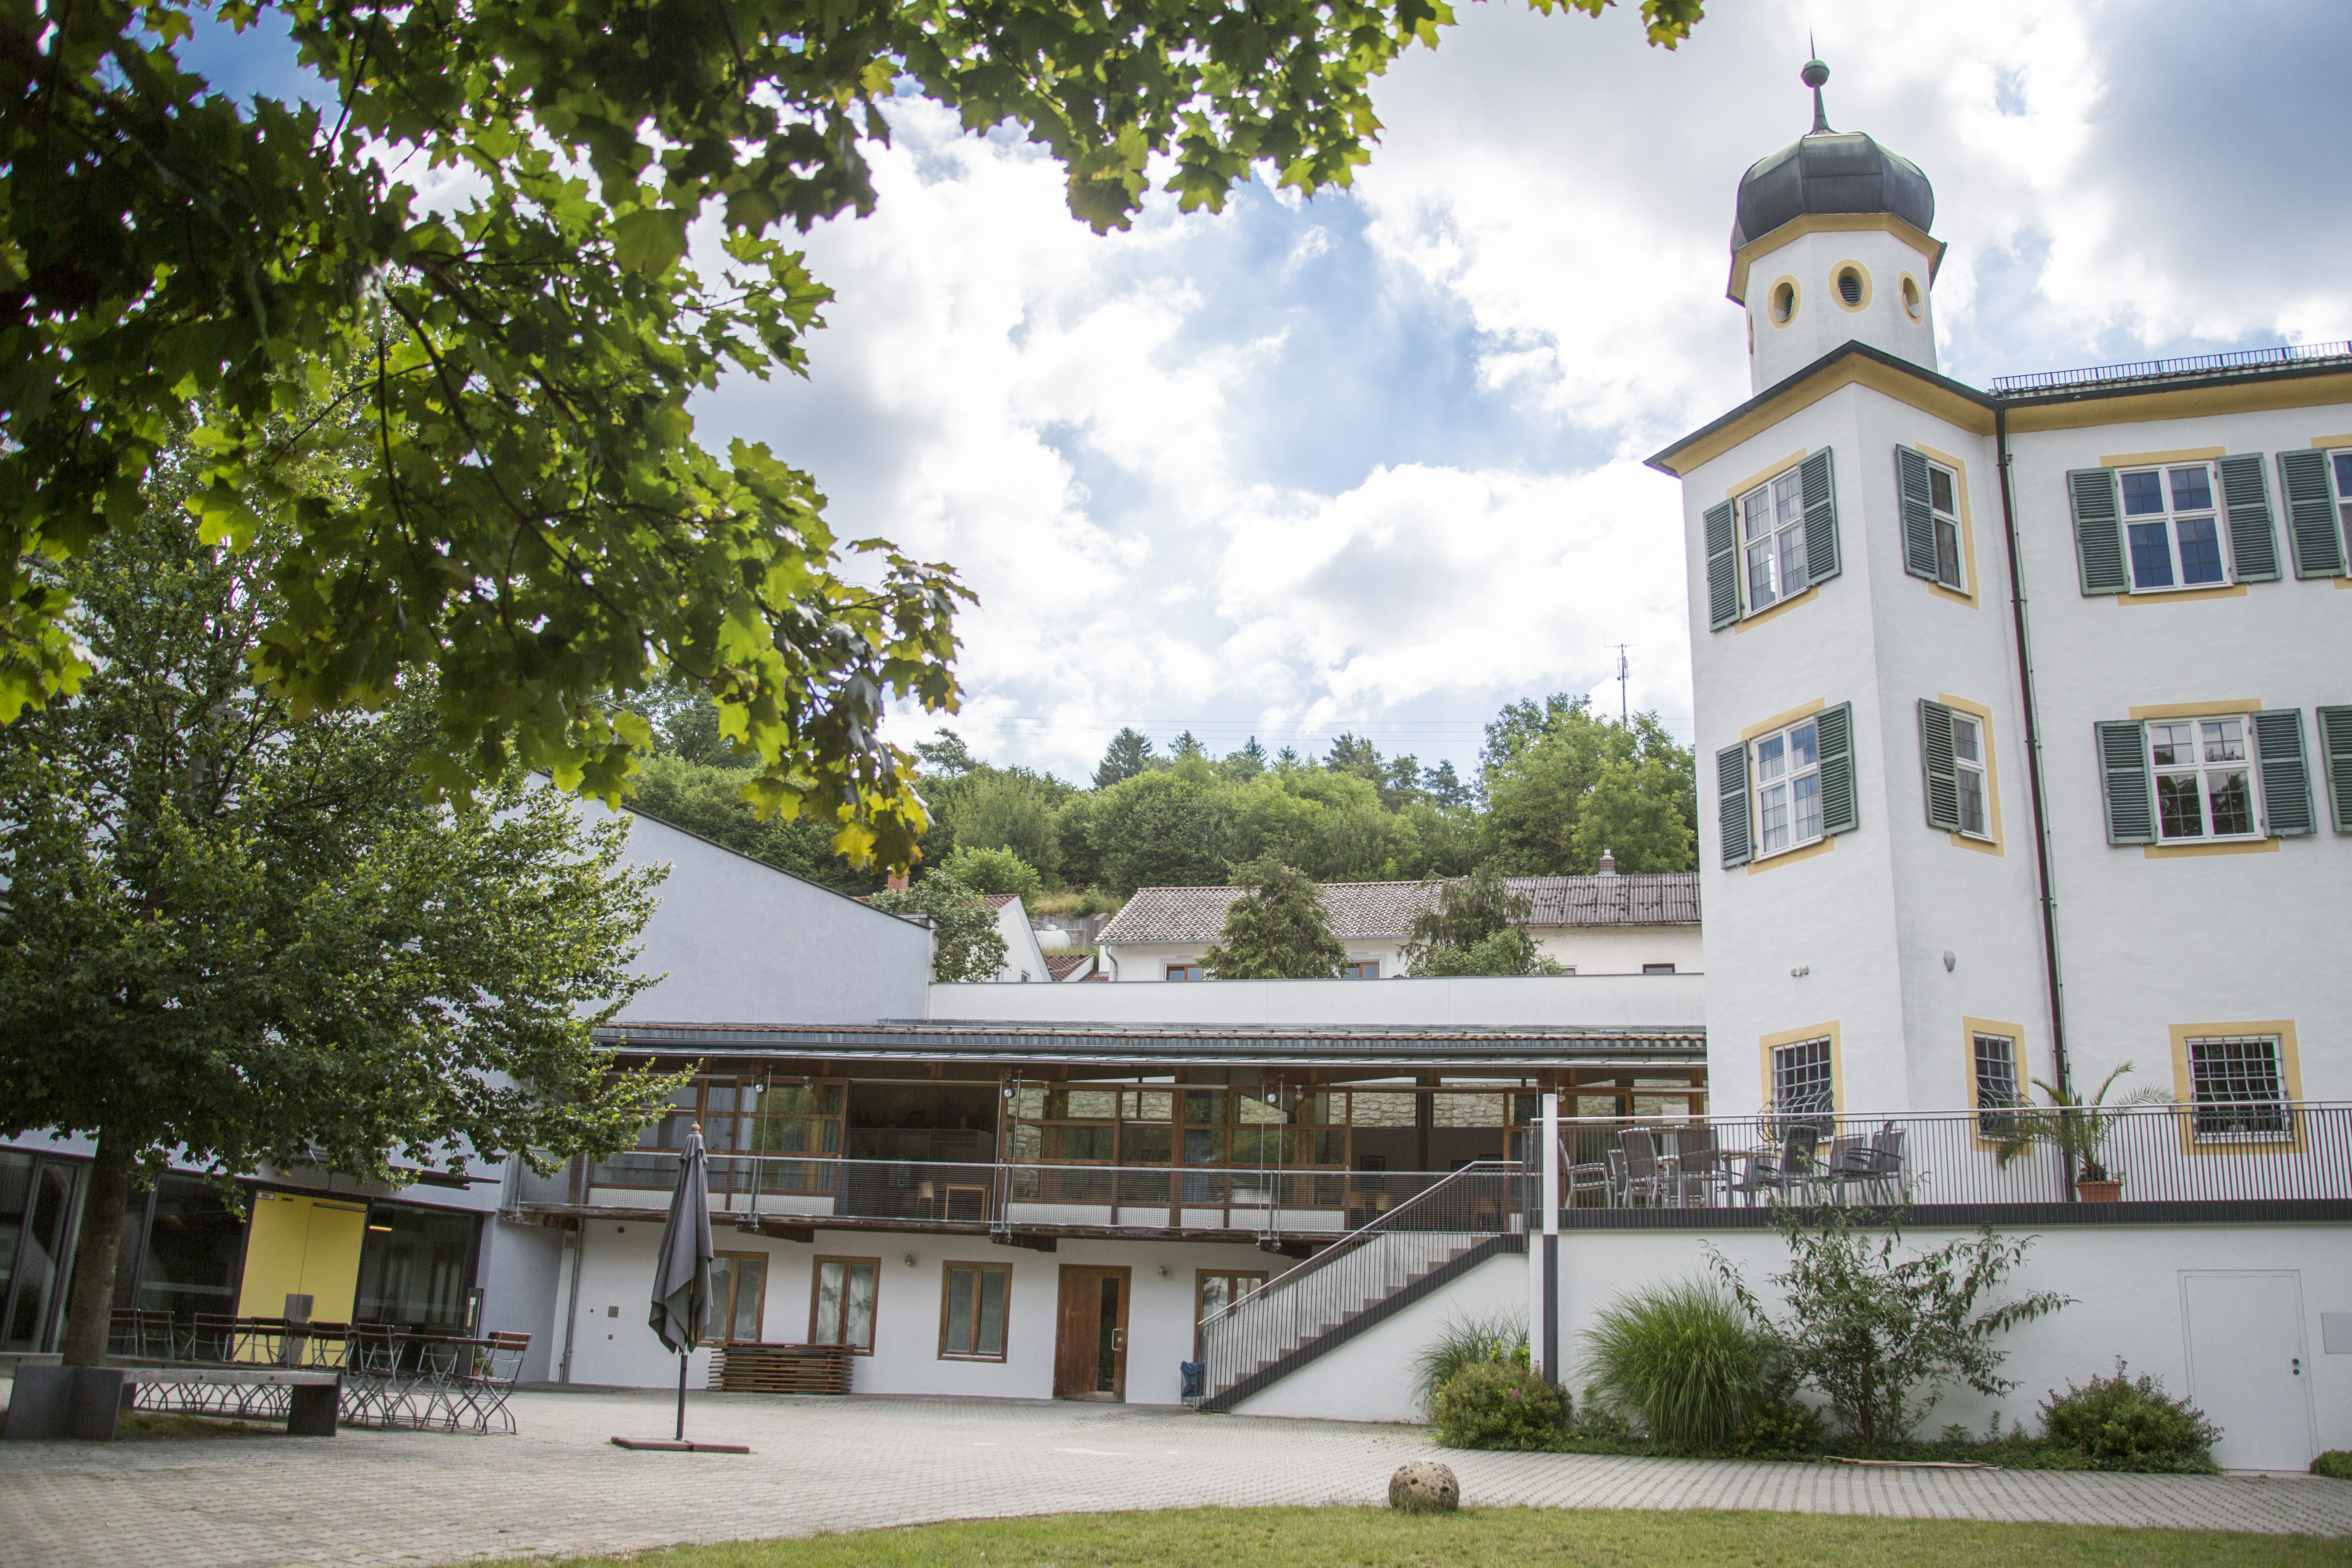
column 1025, row 960
column 2125, row 1282
column 1592, row 1001
column 738, row 942
column 1588, row 950
column 2153, row 941
column 1370, row 1378
column 618, row 1347
column 1822, row 321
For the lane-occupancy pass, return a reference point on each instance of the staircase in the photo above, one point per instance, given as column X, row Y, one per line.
column 1371, row 1274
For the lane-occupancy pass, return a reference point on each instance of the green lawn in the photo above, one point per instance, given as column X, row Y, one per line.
column 1490, row 1538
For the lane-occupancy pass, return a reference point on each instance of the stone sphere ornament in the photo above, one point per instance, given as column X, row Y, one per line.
column 1422, row 1486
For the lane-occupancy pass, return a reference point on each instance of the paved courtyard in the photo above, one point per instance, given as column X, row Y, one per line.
column 833, row 1464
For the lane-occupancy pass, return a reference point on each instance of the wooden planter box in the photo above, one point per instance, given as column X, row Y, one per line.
column 2099, row 1192
column 780, row 1369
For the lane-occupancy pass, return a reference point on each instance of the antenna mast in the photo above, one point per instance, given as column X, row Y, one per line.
column 1623, row 669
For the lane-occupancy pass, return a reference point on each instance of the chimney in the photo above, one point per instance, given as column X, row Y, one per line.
column 897, row 882
column 1609, row 862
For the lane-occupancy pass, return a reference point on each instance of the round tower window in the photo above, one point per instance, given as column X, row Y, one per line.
column 1913, row 305
column 1850, row 286
column 1784, row 301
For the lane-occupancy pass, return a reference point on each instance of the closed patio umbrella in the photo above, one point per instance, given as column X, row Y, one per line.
column 681, row 1301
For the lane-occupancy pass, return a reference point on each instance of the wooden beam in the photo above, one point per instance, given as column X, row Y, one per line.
column 1029, row 1239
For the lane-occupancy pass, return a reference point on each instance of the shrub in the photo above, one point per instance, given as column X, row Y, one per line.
column 1466, row 1343
column 1491, row 1404
column 1779, row 1425
column 2129, row 1422
column 2335, row 1464
column 1684, row 1361
column 992, row 871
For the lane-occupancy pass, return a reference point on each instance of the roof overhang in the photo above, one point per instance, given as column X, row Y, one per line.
column 1929, row 248
column 2184, row 395
column 1111, row 1046
column 1854, row 363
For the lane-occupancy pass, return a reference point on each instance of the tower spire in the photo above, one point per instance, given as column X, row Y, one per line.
column 1813, row 75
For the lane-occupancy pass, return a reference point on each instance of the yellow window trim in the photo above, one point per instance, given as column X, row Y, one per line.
column 2015, row 1035
column 1782, row 721
column 2325, row 441
column 1838, row 299
column 1760, row 617
column 2182, row 595
column 1968, row 531
column 2227, row 707
column 1796, row 300
column 2191, row 851
column 1790, row 857
column 2144, row 459
column 1765, row 1043
column 1983, row 716
column 2290, row 1072
column 1764, row 477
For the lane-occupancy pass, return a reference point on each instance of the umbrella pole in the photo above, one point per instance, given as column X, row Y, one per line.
column 682, row 1357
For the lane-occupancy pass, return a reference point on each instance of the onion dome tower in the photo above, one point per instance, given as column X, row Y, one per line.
column 1831, row 244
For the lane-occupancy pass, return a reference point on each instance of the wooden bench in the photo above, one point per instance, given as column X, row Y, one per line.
column 85, row 1402
column 780, row 1369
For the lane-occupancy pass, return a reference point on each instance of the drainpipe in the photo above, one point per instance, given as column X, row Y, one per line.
column 571, row 1304
column 1549, row 1252
column 2034, row 765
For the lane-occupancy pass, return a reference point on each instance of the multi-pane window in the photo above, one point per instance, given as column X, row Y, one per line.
column 1214, row 1292
column 841, row 1303
column 1368, row 969
column 1998, row 1093
column 2171, row 528
column 749, row 1116
column 2203, row 787
column 2341, row 462
column 2238, row 1088
column 1187, row 972
column 1802, row 1078
column 971, row 1311
column 1773, row 539
column 1968, row 769
column 739, row 1285
column 1788, row 785
column 1943, row 497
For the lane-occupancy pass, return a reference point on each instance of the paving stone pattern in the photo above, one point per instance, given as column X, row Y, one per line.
column 846, row 1464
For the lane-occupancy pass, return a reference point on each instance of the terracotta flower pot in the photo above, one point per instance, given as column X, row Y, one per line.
column 2099, row 1192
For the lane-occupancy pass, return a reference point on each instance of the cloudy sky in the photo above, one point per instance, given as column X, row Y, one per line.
column 1372, row 461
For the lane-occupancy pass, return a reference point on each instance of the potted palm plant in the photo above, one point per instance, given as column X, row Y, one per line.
column 2079, row 1129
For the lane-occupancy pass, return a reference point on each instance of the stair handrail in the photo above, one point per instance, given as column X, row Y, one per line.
column 1354, row 1241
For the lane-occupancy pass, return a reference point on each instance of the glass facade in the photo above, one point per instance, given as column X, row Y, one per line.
column 416, row 1265
column 36, row 1203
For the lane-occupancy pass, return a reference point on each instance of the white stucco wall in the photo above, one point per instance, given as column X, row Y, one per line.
column 1595, row 1000
column 616, row 1347
column 1370, row 1378
column 2125, row 1282
column 1025, row 960
column 1588, row 950
column 1822, row 321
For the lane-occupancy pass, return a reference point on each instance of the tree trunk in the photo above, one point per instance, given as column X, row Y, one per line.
column 90, row 1307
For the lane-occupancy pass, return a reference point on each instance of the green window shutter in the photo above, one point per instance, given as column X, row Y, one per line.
column 1820, row 518
column 2123, row 780
column 2287, row 778
column 2310, row 514
column 2335, row 757
column 1722, row 567
column 2098, row 531
column 1918, row 513
column 1834, row 726
column 2246, row 501
column 1731, row 804
column 1937, row 760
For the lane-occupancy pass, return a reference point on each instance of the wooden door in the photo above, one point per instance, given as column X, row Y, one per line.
column 1090, row 1334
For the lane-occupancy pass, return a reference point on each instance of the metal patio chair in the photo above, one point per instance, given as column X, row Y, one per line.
column 1644, row 1178
column 495, row 1366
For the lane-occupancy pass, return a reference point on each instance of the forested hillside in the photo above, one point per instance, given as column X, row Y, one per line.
column 1556, row 785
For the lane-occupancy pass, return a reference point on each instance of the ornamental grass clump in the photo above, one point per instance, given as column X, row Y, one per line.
column 1490, row 1404
column 1465, row 1342
column 2124, row 1423
column 1683, row 1362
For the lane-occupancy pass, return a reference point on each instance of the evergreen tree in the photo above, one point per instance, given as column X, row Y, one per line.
column 1350, row 754
column 1128, row 753
column 1278, row 930
column 1476, row 925
column 1187, row 745
column 945, row 753
column 1445, row 786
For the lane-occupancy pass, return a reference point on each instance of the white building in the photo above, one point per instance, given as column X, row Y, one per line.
column 2002, row 782
column 1609, row 924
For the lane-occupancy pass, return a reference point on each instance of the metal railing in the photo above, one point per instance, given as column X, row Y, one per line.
column 2206, row 1153
column 1370, row 1264
column 2236, row 359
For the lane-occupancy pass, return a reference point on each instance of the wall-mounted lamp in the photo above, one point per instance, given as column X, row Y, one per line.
column 1801, row 971
column 1163, row 1271
column 910, row 1260
column 1950, row 958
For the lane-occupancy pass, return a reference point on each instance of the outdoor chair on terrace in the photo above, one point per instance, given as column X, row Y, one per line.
column 1789, row 1169
column 1873, row 1164
column 1642, row 1176
column 141, row 1333
column 1698, row 1166
column 1587, row 1177
column 373, row 1378
column 496, row 1363
column 215, row 1338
